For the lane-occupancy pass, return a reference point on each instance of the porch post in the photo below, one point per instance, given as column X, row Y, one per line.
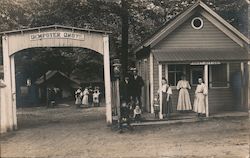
column 166, row 71
column 207, row 85
column 245, row 86
column 242, row 86
column 151, row 62
column 107, row 79
column 160, row 93
column 248, row 87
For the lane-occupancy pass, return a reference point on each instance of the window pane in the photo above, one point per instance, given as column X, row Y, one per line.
column 219, row 75
column 171, row 79
column 178, row 76
column 196, row 74
column 171, row 67
column 179, row 68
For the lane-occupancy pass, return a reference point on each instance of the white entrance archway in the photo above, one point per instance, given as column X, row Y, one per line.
column 49, row 36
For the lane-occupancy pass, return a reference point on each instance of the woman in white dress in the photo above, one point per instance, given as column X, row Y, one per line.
column 85, row 94
column 200, row 98
column 78, row 96
column 184, row 103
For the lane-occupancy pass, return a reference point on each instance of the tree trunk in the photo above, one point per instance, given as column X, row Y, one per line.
column 125, row 26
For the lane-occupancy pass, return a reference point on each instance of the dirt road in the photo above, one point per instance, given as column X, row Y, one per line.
column 70, row 132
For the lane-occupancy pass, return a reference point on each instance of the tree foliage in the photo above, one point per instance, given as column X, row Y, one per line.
column 144, row 17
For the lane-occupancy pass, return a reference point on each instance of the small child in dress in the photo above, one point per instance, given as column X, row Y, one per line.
column 131, row 106
column 156, row 107
column 96, row 98
column 137, row 114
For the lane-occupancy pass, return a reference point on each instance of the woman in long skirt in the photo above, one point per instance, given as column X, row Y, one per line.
column 184, row 103
column 166, row 99
column 78, row 97
column 85, row 94
column 200, row 98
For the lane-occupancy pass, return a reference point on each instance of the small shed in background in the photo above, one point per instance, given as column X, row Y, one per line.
column 57, row 79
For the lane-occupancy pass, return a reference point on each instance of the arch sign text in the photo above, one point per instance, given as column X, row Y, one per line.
column 58, row 35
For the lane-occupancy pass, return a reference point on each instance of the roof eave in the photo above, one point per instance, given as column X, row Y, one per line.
column 56, row 27
column 224, row 22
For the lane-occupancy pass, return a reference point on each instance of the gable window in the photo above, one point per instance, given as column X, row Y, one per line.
column 174, row 73
column 219, row 76
column 197, row 23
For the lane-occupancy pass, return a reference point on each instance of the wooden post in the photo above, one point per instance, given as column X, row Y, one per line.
column 166, row 71
column 118, row 105
column 107, row 79
column 207, row 85
column 242, row 86
column 247, row 85
column 151, row 82
column 3, row 121
column 13, row 86
column 160, row 92
column 8, row 106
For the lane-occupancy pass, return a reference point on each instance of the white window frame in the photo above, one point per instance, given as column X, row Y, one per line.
column 211, row 76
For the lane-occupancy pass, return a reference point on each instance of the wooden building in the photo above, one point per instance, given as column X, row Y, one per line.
column 57, row 79
column 197, row 43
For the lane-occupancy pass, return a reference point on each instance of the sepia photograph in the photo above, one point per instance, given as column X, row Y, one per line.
column 124, row 79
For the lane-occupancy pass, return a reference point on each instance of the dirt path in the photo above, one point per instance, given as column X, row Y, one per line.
column 70, row 132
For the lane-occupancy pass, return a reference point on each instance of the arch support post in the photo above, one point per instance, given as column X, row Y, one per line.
column 107, row 79
column 8, row 106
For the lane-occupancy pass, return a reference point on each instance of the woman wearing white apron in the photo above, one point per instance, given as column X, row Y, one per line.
column 200, row 98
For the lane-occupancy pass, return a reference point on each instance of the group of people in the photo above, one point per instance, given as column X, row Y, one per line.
column 87, row 97
column 184, row 103
column 130, row 93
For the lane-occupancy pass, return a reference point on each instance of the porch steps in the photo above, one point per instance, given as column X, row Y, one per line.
column 192, row 119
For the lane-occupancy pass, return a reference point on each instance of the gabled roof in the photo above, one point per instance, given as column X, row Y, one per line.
column 56, row 27
column 51, row 74
column 169, row 27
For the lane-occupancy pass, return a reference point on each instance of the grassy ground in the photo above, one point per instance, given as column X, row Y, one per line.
column 71, row 132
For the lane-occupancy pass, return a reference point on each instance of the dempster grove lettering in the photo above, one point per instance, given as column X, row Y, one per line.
column 62, row 35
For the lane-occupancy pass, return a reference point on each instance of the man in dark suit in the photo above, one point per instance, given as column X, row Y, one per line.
column 125, row 89
column 136, row 84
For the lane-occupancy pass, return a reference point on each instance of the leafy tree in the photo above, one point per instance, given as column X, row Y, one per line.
column 140, row 18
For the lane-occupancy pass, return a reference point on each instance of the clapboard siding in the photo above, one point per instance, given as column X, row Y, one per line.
column 220, row 100
column 234, row 67
column 187, row 37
